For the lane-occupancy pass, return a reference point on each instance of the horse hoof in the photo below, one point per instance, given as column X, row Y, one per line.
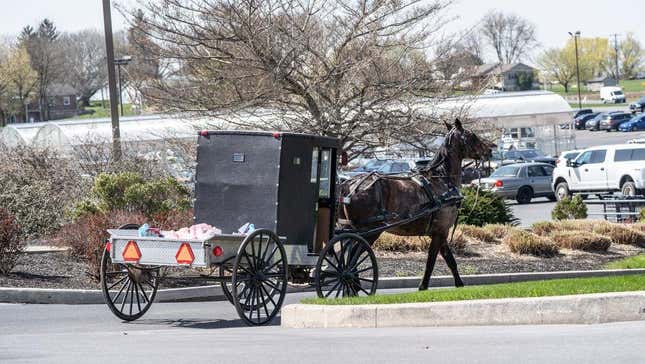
column 459, row 284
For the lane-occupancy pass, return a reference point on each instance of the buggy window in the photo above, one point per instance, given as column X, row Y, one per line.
column 314, row 166
column 325, row 174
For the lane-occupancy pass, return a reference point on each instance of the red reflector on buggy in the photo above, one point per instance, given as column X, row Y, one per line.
column 108, row 246
column 203, row 133
column 131, row 253
column 185, row 254
column 218, row 251
column 276, row 135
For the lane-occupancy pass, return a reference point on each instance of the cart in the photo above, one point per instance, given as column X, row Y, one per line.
column 284, row 184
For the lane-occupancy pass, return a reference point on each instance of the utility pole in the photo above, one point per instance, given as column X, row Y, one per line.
column 575, row 36
column 114, row 107
column 616, row 54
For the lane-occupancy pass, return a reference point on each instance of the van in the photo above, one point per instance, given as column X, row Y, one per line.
column 602, row 169
column 612, row 94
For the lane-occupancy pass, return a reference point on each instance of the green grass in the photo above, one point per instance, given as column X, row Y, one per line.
column 556, row 287
column 104, row 112
column 627, row 85
column 634, row 262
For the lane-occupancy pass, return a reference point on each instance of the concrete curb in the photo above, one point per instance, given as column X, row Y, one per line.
column 214, row 292
column 577, row 309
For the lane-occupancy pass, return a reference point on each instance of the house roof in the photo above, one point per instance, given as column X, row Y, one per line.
column 60, row 89
column 600, row 79
column 497, row 68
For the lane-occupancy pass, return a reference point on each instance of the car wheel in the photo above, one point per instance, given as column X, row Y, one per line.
column 552, row 198
column 524, row 195
column 562, row 191
column 628, row 189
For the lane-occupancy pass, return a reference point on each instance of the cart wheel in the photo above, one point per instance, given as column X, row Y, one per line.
column 129, row 290
column 346, row 267
column 226, row 269
column 259, row 282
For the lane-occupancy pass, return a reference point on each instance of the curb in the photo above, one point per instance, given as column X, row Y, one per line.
column 214, row 292
column 575, row 309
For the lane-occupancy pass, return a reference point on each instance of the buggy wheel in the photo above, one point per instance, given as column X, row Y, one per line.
column 346, row 267
column 259, row 282
column 128, row 290
column 226, row 269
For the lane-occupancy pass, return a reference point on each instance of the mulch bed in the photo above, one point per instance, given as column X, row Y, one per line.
column 61, row 270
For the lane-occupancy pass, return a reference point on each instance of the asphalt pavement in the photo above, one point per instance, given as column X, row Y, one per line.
column 212, row 332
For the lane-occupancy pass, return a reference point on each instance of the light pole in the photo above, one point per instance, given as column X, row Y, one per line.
column 123, row 61
column 114, row 108
column 575, row 40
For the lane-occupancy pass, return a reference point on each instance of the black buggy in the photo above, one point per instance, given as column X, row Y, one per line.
column 282, row 183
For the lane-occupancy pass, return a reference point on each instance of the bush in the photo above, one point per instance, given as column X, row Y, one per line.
column 642, row 215
column 581, row 240
column 621, row 234
column 11, row 243
column 485, row 208
column 639, row 226
column 402, row 244
column 524, row 242
column 478, row 233
column 544, row 227
column 128, row 191
column 570, row 208
column 579, row 225
column 37, row 187
column 499, row 231
column 458, row 243
column 87, row 235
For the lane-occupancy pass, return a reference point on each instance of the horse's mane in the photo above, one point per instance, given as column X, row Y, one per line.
column 441, row 162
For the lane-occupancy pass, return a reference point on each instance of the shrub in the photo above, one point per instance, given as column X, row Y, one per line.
column 578, row 225
column 396, row 243
column 458, row 243
column 570, row 208
column 128, row 191
column 11, row 243
column 524, row 242
column 621, row 234
column 87, row 235
column 499, row 231
column 37, row 187
column 581, row 240
column 484, row 208
column 642, row 215
column 639, row 226
column 478, row 233
column 544, row 227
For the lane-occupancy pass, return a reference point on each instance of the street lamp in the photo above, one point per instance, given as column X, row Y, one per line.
column 123, row 61
column 575, row 39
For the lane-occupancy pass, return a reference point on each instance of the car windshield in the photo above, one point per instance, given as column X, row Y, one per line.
column 507, row 171
column 372, row 165
column 618, row 93
column 531, row 153
column 571, row 155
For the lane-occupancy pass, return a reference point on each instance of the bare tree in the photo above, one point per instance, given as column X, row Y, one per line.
column 353, row 70
column 511, row 36
column 84, row 58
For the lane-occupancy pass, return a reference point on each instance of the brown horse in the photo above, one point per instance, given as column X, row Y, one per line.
column 373, row 201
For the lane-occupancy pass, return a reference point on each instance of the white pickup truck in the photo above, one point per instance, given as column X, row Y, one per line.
column 602, row 169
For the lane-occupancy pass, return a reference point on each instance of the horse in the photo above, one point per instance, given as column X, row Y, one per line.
column 373, row 201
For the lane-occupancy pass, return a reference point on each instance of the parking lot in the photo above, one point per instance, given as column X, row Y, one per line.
column 540, row 208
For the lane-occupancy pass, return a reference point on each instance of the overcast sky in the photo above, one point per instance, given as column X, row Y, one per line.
column 553, row 18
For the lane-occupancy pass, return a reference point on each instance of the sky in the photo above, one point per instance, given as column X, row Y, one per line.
column 552, row 18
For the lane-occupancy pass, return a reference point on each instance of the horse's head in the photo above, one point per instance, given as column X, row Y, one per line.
column 467, row 143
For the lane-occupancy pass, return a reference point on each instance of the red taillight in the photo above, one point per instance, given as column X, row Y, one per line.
column 131, row 253
column 218, row 251
column 276, row 135
column 499, row 183
column 203, row 133
column 108, row 246
column 185, row 254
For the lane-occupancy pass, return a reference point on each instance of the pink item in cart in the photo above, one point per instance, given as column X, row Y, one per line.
column 195, row 232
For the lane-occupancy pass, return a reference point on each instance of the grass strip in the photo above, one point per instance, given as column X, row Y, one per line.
column 635, row 262
column 555, row 287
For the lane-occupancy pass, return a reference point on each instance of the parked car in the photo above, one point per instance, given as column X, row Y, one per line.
column 582, row 112
column 567, row 156
column 528, row 155
column 580, row 121
column 612, row 94
column 520, row 181
column 383, row 166
column 612, row 121
column 638, row 105
column 635, row 123
column 603, row 169
column 594, row 123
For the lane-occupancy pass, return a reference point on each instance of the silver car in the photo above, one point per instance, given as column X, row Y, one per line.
column 521, row 182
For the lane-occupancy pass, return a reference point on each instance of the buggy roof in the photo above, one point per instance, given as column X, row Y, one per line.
column 323, row 141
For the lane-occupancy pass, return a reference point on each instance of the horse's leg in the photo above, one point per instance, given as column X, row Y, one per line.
column 433, row 250
column 452, row 264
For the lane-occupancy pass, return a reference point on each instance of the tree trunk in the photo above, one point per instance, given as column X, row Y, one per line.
column 566, row 87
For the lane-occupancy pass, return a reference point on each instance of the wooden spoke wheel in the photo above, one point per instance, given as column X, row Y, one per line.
column 128, row 289
column 346, row 268
column 259, row 282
